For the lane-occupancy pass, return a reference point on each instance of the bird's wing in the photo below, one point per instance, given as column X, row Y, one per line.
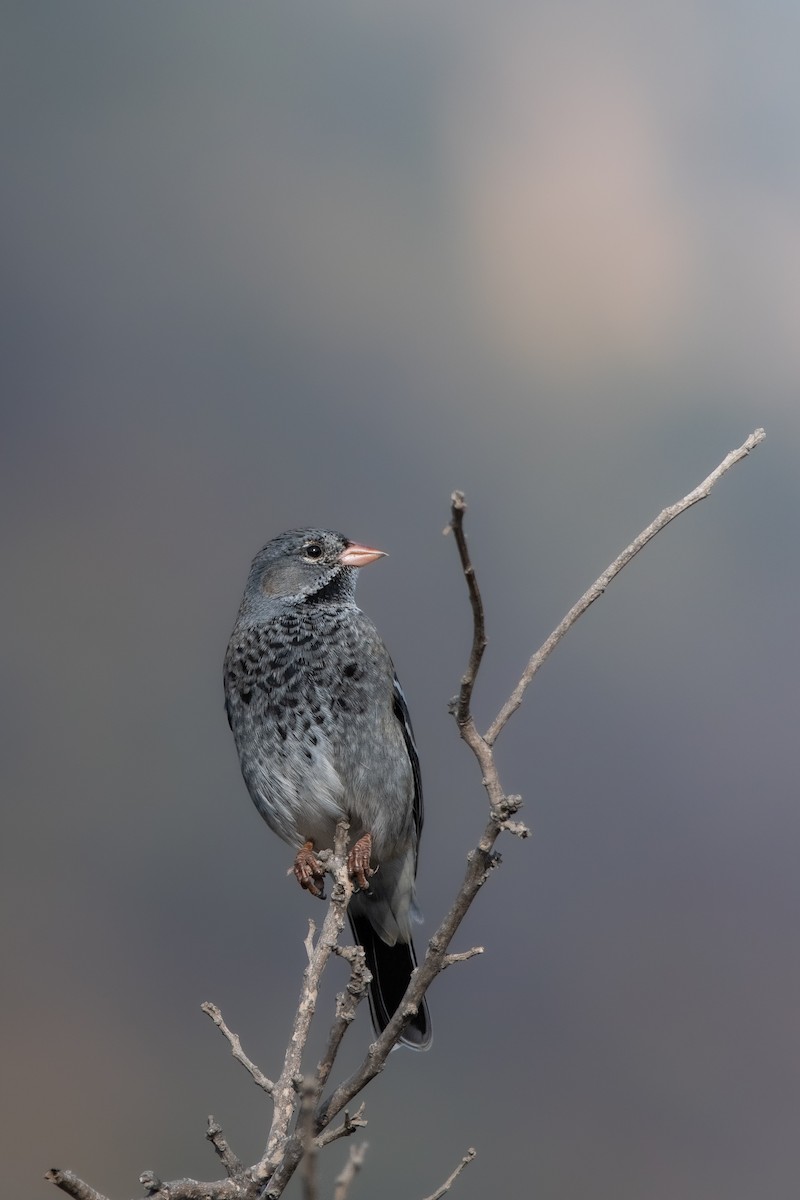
column 400, row 709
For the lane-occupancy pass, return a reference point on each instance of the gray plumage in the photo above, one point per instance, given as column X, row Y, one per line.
column 322, row 729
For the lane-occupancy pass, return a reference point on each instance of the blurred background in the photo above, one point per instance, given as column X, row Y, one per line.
column 274, row 264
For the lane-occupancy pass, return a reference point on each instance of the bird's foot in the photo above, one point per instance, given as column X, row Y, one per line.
column 308, row 871
column 358, row 865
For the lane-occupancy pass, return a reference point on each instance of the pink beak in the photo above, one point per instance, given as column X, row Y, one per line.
column 356, row 555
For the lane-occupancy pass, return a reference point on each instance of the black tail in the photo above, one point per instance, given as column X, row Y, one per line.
column 391, row 967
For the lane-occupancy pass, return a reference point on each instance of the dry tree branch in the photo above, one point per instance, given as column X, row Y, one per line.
column 301, row 1123
column 348, row 1126
column 69, row 1182
column 451, row 1178
column 503, row 807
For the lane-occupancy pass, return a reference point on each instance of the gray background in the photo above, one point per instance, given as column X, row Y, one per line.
column 272, row 264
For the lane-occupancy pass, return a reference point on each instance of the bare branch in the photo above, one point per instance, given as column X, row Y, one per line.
column 460, row 707
column 448, row 1183
column 212, row 1011
column 599, row 586
column 351, row 1168
column 516, row 829
column 190, row 1189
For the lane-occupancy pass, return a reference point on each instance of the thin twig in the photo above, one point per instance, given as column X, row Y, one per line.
column 344, row 1181
column 233, row 1165
column 212, row 1011
column 448, row 1183
column 460, row 706
column 462, row 956
column 458, row 506
column 599, row 586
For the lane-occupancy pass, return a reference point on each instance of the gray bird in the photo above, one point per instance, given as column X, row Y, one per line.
column 323, row 731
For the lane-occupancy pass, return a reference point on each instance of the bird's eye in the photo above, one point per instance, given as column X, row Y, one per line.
column 313, row 550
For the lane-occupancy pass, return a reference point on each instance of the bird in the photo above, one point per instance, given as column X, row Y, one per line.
column 323, row 733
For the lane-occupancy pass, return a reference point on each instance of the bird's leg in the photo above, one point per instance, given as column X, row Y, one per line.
column 308, row 870
column 358, row 862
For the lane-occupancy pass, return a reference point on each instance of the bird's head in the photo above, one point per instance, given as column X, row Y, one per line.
column 305, row 566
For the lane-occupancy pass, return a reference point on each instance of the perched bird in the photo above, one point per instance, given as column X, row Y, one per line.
column 323, row 732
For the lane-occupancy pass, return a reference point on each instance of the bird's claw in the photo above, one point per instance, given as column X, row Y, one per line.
column 308, row 872
column 358, row 865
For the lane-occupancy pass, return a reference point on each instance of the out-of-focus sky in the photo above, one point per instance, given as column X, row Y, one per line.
column 274, row 264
